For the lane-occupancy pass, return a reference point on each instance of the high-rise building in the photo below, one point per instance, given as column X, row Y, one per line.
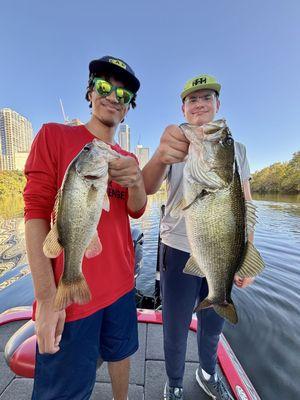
column 15, row 139
column 74, row 122
column 142, row 154
column 124, row 137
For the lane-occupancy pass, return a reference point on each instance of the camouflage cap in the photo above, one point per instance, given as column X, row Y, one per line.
column 200, row 82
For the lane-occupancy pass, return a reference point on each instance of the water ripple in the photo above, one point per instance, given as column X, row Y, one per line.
column 266, row 339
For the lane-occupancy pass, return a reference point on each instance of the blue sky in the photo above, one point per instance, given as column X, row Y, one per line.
column 252, row 47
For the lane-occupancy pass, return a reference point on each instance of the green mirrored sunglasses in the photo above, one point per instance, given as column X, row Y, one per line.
column 104, row 88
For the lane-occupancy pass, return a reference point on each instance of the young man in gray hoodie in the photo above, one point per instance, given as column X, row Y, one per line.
column 180, row 292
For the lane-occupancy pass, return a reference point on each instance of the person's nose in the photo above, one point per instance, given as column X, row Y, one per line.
column 199, row 103
column 112, row 97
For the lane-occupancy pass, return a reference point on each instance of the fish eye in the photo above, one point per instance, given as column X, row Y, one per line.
column 227, row 141
column 86, row 148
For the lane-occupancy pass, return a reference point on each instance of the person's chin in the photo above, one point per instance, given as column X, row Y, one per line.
column 202, row 119
column 108, row 120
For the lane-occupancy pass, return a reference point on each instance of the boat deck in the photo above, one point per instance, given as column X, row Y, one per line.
column 147, row 376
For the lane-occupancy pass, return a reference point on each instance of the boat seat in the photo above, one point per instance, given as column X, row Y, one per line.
column 20, row 349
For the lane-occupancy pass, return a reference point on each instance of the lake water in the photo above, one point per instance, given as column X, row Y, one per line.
column 267, row 337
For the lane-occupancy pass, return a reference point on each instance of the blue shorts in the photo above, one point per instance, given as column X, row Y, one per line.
column 110, row 333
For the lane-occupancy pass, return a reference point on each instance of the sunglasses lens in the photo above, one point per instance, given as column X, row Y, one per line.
column 123, row 95
column 103, row 87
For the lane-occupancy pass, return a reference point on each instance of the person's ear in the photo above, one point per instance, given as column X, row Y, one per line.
column 218, row 105
column 183, row 108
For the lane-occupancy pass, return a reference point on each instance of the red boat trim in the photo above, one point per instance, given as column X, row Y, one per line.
column 231, row 368
column 15, row 314
column 22, row 361
column 234, row 372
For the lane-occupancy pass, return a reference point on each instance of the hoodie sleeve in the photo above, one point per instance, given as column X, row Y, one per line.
column 242, row 161
column 41, row 175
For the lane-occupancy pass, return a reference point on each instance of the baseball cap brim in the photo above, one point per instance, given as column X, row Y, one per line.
column 213, row 86
column 102, row 67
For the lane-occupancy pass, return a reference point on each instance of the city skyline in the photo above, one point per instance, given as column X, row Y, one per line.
column 142, row 154
column 124, row 136
column 16, row 135
column 252, row 51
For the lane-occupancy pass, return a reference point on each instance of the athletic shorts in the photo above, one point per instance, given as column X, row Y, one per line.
column 110, row 333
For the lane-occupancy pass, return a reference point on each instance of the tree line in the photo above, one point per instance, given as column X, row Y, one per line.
column 278, row 177
column 11, row 183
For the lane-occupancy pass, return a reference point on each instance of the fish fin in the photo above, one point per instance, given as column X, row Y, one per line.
column 74, row 292
column 106, row 204
column 206, row 303
column 199, row 196
column 252, row 264
column 251, row 217
column 192, row 268
column 181, row 206
column 226, row 310
column 94, row 248
column 177, row 211
column 56, row 205
column 51, row 246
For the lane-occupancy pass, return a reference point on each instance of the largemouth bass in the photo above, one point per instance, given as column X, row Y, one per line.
column 217, row 216
column 77, row 212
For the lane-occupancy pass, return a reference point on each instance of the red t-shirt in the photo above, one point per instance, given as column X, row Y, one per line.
column 109, row 275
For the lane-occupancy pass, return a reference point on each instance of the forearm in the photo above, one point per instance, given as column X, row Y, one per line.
column 36, row 231
column 137, row 197
column 154, row 173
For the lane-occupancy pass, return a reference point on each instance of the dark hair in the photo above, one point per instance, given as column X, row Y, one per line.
column 107, row 77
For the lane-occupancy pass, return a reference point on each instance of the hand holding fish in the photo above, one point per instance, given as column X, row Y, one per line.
column 125, row 171
column 241, row 283
column 49, row 326
column 173, row 146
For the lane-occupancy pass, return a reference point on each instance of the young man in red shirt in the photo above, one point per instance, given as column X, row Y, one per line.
column 70, row 341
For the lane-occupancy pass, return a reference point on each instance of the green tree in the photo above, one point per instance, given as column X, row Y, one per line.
column 11, row 182
column 279, row 177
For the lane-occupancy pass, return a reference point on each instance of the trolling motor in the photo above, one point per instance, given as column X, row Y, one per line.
column 141, row 300
column 157, row 296
column 137, row 238
column 153, row 302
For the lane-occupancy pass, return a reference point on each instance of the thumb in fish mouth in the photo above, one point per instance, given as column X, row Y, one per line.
column 193, row 133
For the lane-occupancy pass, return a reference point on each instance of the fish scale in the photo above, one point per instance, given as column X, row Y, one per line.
column 77, row 212
column 216, row 216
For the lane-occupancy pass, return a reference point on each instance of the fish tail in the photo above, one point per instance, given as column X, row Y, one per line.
column 226, row 310
column 72, row 292
column 203, row 304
